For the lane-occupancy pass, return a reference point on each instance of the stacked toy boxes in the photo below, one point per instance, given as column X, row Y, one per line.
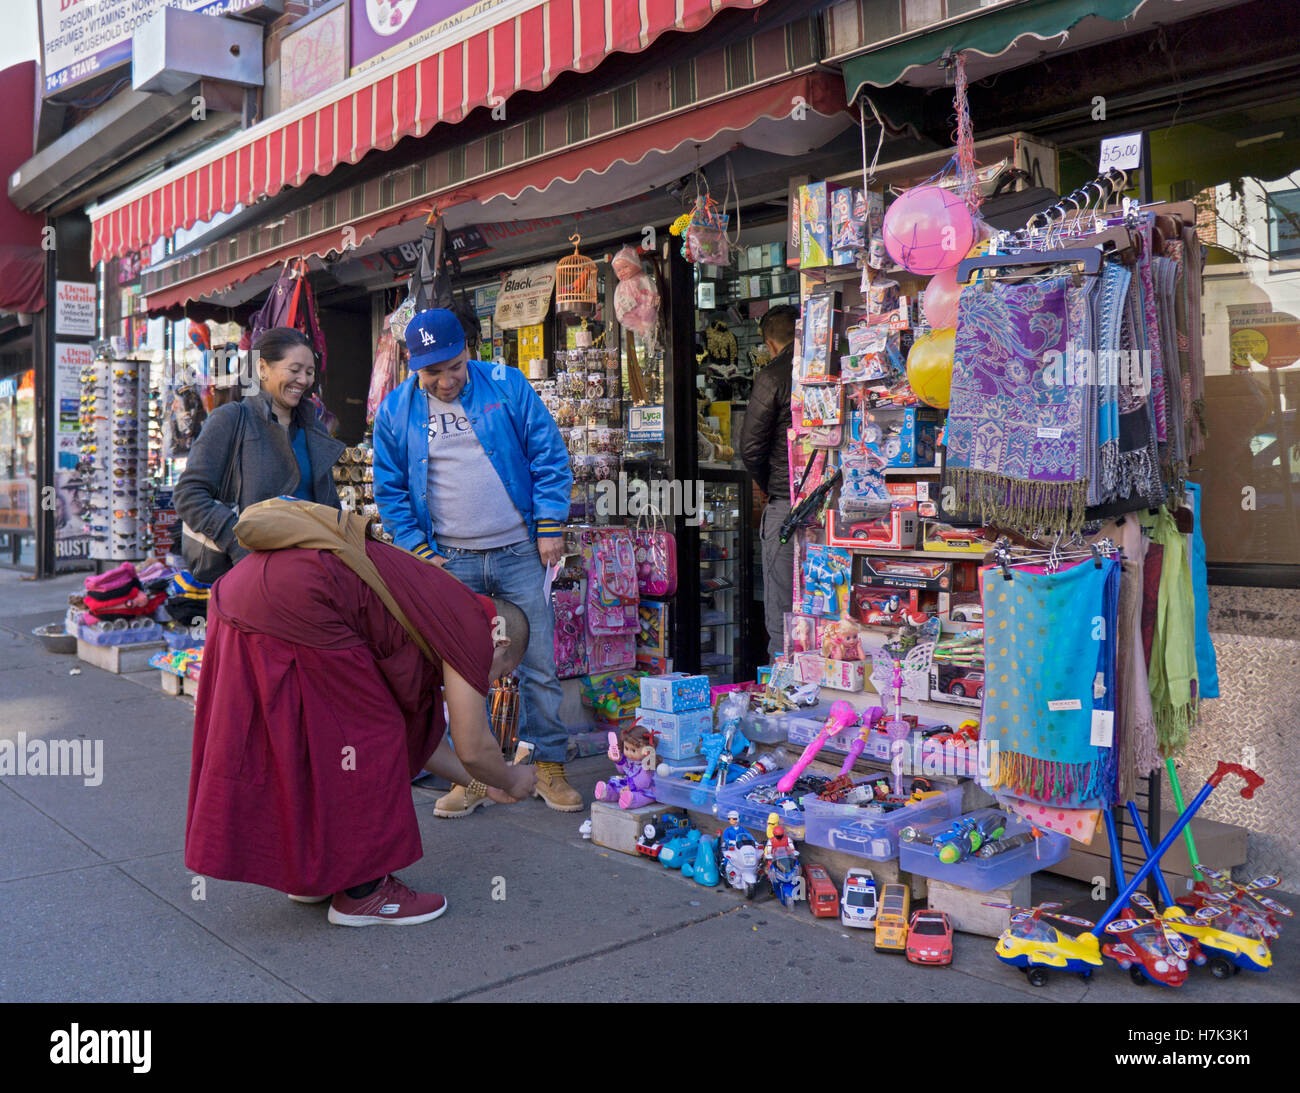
column 675, row 712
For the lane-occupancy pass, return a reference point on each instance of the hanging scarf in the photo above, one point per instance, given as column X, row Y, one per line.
column 1015, row 429
column 1151, row 324
column 1049, row 653
column 1173, row 648
column 1115, row 280
column 1207, row 662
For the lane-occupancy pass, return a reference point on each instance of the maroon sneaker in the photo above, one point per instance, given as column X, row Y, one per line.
column 391, row 904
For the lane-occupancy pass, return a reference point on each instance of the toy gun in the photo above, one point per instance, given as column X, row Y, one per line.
column 809, row 506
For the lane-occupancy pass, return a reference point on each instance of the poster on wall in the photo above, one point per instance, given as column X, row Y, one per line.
column 314, row 57
column 525, row 296
column 74, row 308
column 383, row 28
column 81, row 39
column 71, row 535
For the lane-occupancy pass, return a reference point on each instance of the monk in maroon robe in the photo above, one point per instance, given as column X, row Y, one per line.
column 316, row 708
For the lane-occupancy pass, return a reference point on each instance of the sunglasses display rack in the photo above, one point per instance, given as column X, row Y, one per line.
column 117, row 428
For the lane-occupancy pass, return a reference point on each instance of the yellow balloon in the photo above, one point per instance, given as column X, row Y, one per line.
column 929, row 366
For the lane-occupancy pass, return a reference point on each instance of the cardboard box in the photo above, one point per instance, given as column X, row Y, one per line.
column 904, row 436
column 618, row 828
column 896, row 531
column 676, row 735
column 814, row 226
column 937, row 535
column 957, row 685
column 674, row 693
column 906, row 573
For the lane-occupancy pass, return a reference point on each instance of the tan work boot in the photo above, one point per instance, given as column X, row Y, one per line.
column 554, row 788
column 462, row 800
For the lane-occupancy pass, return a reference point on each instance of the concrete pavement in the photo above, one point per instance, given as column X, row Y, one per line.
column 96, row 903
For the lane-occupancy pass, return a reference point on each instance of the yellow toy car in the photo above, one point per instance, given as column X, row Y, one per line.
column 892, row 914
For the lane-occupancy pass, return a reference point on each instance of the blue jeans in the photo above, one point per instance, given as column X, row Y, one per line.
column 515, row 573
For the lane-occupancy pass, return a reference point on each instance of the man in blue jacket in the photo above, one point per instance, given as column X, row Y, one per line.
column 472, row 474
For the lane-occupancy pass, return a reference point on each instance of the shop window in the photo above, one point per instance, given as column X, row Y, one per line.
column 1284, row 223
column 801, row 43
column 330, row 211
column 387, row 192
column 456, row 163
column 532, row 138
column 681, row 89
column 356, row 202
column 277, row 234
column 304, row 223
column 624, row 105
column 575, row 127
column 494, row 152
column 418, row 179
column 740, row 64
column 232, row 250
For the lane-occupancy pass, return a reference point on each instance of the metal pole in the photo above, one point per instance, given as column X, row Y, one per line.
column 1146, row 849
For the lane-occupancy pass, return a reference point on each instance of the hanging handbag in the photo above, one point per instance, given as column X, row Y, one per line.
column 433, row 283
column 204, row 558
column 656, row 557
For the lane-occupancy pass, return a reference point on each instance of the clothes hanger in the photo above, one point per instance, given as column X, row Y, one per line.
column 1184, row 210
column 1089, row 257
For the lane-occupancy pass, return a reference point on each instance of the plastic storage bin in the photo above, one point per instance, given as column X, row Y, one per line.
column 775, row 728
column 754, row 815
column 181, row 639
column 980, row 873
column 847, row 828
column 153, row 632
column 681, row 793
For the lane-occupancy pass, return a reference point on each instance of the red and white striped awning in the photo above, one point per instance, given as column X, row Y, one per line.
column 441, row 81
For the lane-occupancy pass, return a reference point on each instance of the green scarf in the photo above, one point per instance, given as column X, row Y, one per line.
column 1172, row 672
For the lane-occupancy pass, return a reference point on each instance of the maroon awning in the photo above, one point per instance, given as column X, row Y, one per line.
column 22, row 278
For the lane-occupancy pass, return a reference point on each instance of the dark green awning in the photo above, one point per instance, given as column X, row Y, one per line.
column 990, row 33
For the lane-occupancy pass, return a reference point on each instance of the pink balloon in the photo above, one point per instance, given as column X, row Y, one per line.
column 940, row 300
column 928, row 229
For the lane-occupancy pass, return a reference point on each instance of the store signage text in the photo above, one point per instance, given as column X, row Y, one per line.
column 525, row 296
column 74, row 308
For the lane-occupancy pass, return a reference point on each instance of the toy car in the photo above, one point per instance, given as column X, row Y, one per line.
column 891, row 918
column 820, row 891
column 858, row 903
column 664, row 827
column 929, row 938
column 967, row 612
column 887, row 611
column 857, row 837
column 881, row 530
column 967, row 685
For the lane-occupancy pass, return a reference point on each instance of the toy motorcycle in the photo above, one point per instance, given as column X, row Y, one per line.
column 784, row 877
column 739, row 865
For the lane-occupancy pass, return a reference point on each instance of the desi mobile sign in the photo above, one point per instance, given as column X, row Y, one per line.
column 82, row 38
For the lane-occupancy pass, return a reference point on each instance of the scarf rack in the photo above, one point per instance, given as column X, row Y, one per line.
column 1008, row 557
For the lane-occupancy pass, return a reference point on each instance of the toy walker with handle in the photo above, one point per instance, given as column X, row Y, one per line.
column 841, row 717
column 1253, row 782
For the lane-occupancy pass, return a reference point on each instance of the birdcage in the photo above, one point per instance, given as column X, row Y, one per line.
column 575, row 282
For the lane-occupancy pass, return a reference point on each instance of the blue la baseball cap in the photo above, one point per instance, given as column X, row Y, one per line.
column 434, row 336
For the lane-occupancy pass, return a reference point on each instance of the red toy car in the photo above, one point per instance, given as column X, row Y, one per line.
column 967, row 685
column 887, row 611
column 822, row 897
column 1147, row 951
column 929, row 939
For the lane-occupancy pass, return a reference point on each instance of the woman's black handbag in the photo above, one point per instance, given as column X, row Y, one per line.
column 433, row 283
column 205, row 560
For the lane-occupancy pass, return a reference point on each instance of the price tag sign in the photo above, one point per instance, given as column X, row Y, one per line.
column 1123, row 153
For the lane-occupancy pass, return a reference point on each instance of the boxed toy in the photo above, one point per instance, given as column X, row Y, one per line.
column 906, row 573
column 674, row 693
column 904, row 436
column 884, row 607
column 826, row 571
column 848, row 225
column 814, row 225
column 895, row 530
column 802, row 634
column 823, row 403
column 818, row 328
column 840, row 675
column 937, row 535
column 676, row 735
column 957, row 670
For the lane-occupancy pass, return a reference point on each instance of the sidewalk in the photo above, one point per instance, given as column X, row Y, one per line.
column 96, row 903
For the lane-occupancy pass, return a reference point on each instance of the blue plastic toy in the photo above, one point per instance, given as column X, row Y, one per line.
column 680, row 849
column 704, row 870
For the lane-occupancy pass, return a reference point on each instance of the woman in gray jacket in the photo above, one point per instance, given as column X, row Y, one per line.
column 285, row 451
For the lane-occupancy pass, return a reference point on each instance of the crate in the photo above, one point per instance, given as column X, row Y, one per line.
column 119, row 659
column 966, row 908
column 985, row 874
column 847, row 829
column 619, row 828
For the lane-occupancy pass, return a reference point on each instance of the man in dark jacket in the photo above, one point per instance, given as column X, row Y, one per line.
column 763, row 448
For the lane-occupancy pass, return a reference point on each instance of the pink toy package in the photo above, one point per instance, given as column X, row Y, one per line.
column 570, row 633
column 609, row 557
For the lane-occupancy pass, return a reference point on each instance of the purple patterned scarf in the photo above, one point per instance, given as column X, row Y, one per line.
column 1016, row 427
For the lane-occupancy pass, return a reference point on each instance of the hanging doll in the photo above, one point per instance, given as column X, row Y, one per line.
column 636, row 299
column 634, row 786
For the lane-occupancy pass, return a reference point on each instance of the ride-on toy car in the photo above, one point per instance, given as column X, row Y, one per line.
column 891, row 918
